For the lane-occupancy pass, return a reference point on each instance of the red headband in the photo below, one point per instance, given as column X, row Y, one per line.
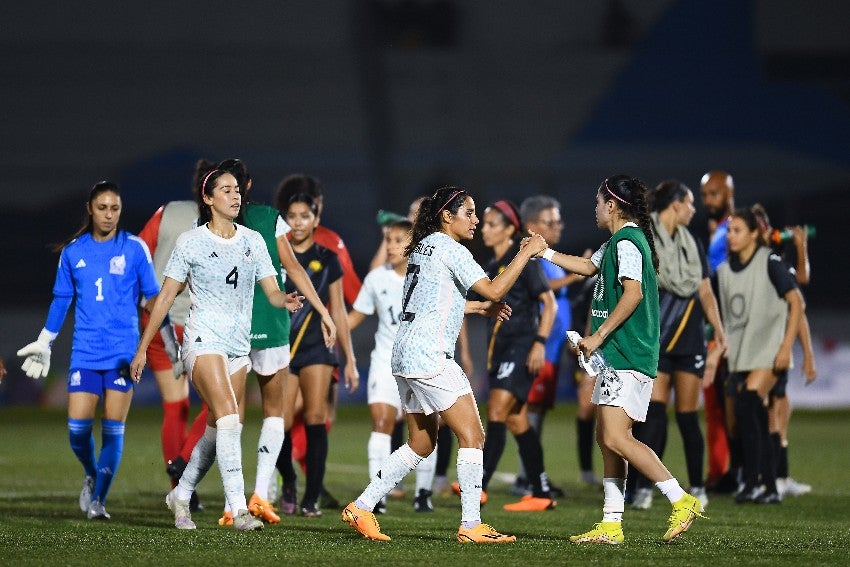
column 615, row 196
column 449, row 200
column 506, row 209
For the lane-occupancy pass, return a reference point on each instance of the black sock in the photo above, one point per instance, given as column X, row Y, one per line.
column 284, row 460
column 317, row 453
column 747, row 404
column 653, row 433
column 768, row 460
column 531, row 453
column 444, row 450
column 782, row 462
column 694, row 445
column 397, row 439
column 584, row 427
column 494, row 445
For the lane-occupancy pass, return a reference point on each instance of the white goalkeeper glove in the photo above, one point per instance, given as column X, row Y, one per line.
column 172, row 346
column 37, row 354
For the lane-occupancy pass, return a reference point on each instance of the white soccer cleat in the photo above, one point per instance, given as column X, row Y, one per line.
column 642, row 499
column 86, row 493
column 180, row 509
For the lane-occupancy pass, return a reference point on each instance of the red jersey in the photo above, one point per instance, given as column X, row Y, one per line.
column 351, row 284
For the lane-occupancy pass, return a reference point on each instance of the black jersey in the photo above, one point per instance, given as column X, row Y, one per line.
column 682, row 318
column 323, row 268
column 523, row 297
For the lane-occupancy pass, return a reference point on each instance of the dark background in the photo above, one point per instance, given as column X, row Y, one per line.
column 383, row 100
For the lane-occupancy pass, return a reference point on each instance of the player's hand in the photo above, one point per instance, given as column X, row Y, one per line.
column 351, row 376
column 294, row 301
column 138, row 365
column 536, row 244
column 497, row 310
column 783, row 360
column 37, row 363
column 800, row 236
column 589, row 344
column 328, row 330
column 809, row 369
column 536, row 359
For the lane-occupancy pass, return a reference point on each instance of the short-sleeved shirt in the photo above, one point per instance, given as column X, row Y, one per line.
column 381, row 294
column 323, row 268
column 221, row 274
column 105, row 279
column 563, row 317
column 440, row 271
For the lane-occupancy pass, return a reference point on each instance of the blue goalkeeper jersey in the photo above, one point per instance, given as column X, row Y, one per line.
column 105, row 280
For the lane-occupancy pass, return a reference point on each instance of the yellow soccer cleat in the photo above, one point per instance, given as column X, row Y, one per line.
column 226, row 519
column 363, row 521
column 482, row 533
column 685, row 510
column 262, row 509
column 610, row 533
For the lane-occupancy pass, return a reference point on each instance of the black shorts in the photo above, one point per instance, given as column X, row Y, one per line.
column 308, row 355
column 507, row 367
column 691, row 363
column 778, row 390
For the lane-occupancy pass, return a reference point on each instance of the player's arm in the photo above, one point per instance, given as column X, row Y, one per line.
column 340, row 317
column 296, row 273
column 495, row 289
column 537, row 355
column 801, row 244
column 795, row 310
column 626, row 305
column 355, row 318
column 161, row 305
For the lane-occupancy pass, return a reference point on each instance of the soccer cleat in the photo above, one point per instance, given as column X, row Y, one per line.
column 310, row 510
column 685, row 510
column 245, row 522
column 791, row 487
column 531, row 504
column 456, row 490
column 642, row 500
column 97, row 511
column 180, row 509
column 748, row 493
column 482, row 533
column 768, row 497
column 289, row 499
column 610, row 533
column 85, row 493
column 262, row 509
column 226, row 518
column 174, row 469
column 422, row 502
column 381, row 506
column 700, row 494
column 364, row 522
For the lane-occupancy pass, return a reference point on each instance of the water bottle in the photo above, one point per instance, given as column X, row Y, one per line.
column 596, row 363
column 386, row 218
column 780, row 236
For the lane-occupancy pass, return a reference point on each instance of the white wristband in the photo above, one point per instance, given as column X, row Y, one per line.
column 548, row 253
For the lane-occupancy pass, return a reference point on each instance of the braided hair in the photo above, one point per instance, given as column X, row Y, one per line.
column 429, row 218
column 630, row 194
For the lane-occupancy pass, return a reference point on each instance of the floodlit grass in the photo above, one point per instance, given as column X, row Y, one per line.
column 42, row 525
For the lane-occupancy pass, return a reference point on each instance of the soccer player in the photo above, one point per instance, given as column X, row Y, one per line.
column 312, row 359
column 624, row 326
column 762, row 309
column 381, row 295
column 103, row 270
column 515, row 354
column 439, row 274
column 220, row 261
column 686, row 301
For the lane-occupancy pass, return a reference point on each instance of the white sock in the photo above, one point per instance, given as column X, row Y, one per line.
column 229, row 457
column 268, row 449
column 671, row 489
column 425, row 472
column 203, row 456
column 377, row 451
column 470, row 473
column 615, row 501
column 395, row 467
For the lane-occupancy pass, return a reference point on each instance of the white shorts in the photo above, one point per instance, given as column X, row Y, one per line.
column 234, row 363
column 630, row 390
column 268, row 361
column 382, row 386
column 429, row 395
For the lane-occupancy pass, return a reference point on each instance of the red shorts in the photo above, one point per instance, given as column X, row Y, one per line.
column 544, row 387
column 157, row 358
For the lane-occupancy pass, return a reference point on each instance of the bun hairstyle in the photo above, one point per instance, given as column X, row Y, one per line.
column 293, row 185
column 666, row 193
column 631, row 197
column 509, row 212
column 87, row 224
column 308, row 200
column 763, row 222
column 429, row 218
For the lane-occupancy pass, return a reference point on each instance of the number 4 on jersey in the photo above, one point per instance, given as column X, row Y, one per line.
column 233, row 277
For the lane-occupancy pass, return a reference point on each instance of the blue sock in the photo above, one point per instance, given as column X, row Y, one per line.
column 82, row 443
column 110, row 457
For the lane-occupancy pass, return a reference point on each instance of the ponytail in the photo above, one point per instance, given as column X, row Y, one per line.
column 429, row 219
column 631, row 196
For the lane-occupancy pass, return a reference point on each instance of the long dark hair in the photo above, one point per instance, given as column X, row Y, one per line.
column 630, row 195
column 429, row 218
column 206, row 174
column 86, row 226
column 666, row 192
column 293, row 185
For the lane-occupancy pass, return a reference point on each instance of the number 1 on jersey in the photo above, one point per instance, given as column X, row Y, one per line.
column 99, row 284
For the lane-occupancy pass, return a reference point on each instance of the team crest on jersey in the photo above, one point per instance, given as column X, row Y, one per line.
column 314, row 266
column 505, row 370
column 75, row 378
column 117, row 265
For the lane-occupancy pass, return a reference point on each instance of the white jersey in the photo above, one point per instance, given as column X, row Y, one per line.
column 439, row 274
column 221, row 274
column 381, row 294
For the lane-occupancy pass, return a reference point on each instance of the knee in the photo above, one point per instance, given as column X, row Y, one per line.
column 470, row 439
